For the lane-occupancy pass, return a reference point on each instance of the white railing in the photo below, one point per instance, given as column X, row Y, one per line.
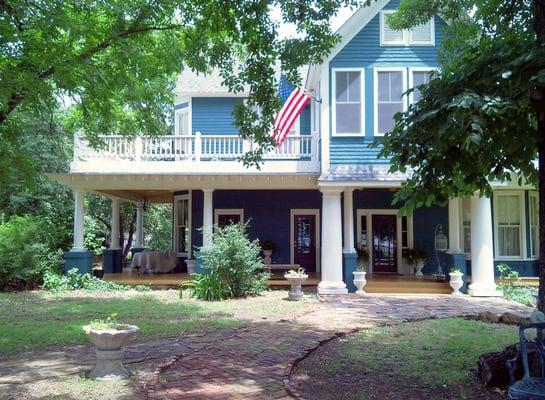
column 196, row 148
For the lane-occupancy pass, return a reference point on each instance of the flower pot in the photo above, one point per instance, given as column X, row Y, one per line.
column 418, row 268
column 191, row 266
column 359, row 281
column 109, row 351
column 295, row 281
column 267, row 257
column 456, row 282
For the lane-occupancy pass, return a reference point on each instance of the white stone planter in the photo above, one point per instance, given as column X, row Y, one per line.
column 109, row 351
column 456, row 282
column 418, row 268
column 267, row 260
column 359, row 281
column 296, row 292
column 191, row 266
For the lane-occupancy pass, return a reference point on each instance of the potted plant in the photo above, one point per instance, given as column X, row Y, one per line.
column 268, row 247
column 359, row 273
column 417, row 258
column 296, row 279
column 456, row 281
column 109, row 336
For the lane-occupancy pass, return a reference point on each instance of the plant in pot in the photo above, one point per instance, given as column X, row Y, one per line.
column 268, row 247
column 417, row 258
column 109, row 336
column 360, row 272
column 456, row 281
column 296, row 279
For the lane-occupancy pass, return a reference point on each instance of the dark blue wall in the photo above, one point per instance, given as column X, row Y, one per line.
column 267, row 210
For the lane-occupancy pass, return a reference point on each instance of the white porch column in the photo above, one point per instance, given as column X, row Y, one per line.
column 114, row 239
column 139, row 225
column 348, row 215
column 482, row 254
column 207, row 217
column 332, row 255
column 79, row 212
column 454, row 226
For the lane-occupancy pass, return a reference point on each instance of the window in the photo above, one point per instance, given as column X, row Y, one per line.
column 404, row 233
column 533, row 203
column 390, row 84
column 418, row 77
column 508, row 209
column 182, row 128
column 183, row 225
column 364, row 234
column 348, row 104
column 421, row 35
column 223, row 217
column 466, row 225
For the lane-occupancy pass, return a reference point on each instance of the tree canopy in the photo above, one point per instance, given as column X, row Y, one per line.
column 482, row 117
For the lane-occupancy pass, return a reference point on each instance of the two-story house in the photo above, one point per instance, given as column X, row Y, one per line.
column 324, row 191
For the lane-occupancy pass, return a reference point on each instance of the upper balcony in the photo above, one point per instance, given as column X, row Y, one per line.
column 199, row 153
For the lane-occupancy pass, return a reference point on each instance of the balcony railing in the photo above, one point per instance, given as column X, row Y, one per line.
column 121, row 152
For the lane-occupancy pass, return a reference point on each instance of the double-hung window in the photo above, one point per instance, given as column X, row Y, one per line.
column 417, row 78
column 533, row 203
column 390, row 85
column 465, row 212
column 348, row 106
column 508, row 221
column 420, row 35
column 183, row 225
column 182, row 122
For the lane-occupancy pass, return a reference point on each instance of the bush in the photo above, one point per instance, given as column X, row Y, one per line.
column 26, row 251
column 74, row 280
column 233, row 266
column 512, row 288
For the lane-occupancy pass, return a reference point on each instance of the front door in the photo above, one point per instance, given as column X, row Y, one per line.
column 304, row 246
column 384, row 243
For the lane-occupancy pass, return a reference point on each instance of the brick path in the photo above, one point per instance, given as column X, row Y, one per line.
column 255, row 363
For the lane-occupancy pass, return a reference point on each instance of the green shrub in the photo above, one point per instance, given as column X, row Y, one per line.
column 74, row 280
column 510, row 285
column 233, row 266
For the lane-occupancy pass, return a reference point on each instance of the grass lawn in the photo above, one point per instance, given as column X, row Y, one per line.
column 431, row 359
column 35, row 320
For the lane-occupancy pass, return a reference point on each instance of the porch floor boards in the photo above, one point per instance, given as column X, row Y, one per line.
column 376, row 283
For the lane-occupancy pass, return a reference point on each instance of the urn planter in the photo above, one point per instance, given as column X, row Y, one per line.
column 295, row 281
column 418, row 268
column 456, row 282
column 359, row 281
column 267, row 260
column 191, row 266
column 109, row 350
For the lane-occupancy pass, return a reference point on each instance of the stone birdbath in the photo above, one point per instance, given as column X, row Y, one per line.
column 296, row 279
column 109, row 339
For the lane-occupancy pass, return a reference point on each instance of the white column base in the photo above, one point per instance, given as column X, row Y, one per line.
column 479, row 290
column 325, row 287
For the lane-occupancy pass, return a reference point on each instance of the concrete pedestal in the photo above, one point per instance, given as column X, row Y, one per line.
column 350, row 264
column 112, row 261
column 109, row 365
column 81, row 260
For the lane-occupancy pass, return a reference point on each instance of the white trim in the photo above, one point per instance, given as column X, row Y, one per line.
column 325, row 120
column 412, row 70
column 522, row 230
column 535, row 194
column 334, row 102
column 368, row 213
column 306, row 211
column 376, row 71
column 432, row 36
column 407, row 34
column 228, row 211
column 177, row 198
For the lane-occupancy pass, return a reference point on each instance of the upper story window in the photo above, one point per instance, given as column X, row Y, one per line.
column 182, row 122
column 421, row 35
column 417, row 78
column 508, row 221
column 533, row 203
column 390, row 84
column 348, row 105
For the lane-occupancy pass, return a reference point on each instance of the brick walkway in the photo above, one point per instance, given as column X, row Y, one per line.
column 255, row 363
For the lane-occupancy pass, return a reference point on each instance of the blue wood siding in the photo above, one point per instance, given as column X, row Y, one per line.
column 214, row 115
column 364, row 51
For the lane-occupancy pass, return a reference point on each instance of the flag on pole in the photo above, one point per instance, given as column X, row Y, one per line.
column 295, row 101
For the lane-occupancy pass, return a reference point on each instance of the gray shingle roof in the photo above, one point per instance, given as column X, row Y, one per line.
column 358, row 172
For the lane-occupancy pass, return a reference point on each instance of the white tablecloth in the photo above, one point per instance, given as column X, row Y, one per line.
column 156, row 261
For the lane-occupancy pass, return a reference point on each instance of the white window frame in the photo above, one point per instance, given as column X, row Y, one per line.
column 177, row 113
column 376, row 71
column 407, row 34
column 334, row 102
column 412, row 70
column 522, row 231
column 228, row 211
column 306, row 211
column 461, row 225
column 535, row 195
column 189, row 245
column 368, row 213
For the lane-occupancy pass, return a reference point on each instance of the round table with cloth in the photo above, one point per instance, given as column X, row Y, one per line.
column 155, row 261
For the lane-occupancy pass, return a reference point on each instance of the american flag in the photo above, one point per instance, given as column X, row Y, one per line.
column 295, row 101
